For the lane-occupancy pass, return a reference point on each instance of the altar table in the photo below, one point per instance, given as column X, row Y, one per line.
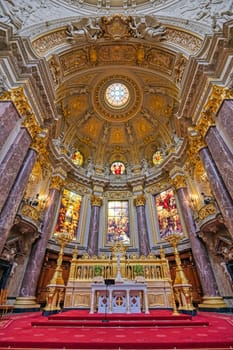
column 128, row 297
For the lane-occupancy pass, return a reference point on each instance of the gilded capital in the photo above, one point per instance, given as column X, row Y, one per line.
column 20, row 101
column 179, row 182
column 39, row 143
column 57, row 182
column 96, row 201
column 207, row 117
column 205, row 122
column 140, row 201
column 196, row 141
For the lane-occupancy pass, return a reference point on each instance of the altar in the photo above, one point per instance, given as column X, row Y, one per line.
column 129, row 294
column 127, row 297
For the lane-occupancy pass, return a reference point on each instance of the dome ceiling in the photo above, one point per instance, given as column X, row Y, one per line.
column 148, row 74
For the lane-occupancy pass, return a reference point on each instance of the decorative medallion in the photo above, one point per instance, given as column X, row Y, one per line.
column 117, row 98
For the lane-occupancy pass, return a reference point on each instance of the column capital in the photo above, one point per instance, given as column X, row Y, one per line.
column 178, row 181
column 96, row 201
column 140, row 200
column 57, row 182
column 40, row 142
column 18, row 97
column 208, row 115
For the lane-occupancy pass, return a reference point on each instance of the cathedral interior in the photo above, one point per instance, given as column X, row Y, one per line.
column 116, row 131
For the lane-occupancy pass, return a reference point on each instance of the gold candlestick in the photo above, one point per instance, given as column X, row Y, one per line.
column 56, row 287
column 62, row 238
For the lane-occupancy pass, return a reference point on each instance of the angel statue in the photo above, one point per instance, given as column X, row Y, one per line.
column 148, row 28
column 86, row 28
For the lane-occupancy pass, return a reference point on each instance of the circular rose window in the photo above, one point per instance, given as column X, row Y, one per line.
column 117, row 95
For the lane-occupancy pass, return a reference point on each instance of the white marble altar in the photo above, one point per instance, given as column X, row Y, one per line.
column 127, row 297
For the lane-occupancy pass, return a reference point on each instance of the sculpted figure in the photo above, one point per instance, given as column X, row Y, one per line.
column 148, row 28
column 87, row 28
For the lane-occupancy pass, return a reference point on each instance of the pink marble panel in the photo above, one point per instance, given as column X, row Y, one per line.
column 8, row 119
column 11, row 164
column 202, row 261
column 220, row 192
column 144, row 246
column 32, row 273
column 14, row 199
column 222, row 157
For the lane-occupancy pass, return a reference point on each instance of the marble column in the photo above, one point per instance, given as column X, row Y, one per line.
column 224, row 122
column 205, row 271
column 10, row 208
column 144, row 246
column 93, row 236
column 12, row 162
column 222, row 157
column 27, row 295
column 8, row 120
column 220, row 192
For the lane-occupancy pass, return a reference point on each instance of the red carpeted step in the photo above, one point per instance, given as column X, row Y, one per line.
column 119, row 323
column 76, row 315
column 19, row 333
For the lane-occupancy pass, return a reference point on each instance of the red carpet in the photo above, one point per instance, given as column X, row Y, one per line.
column 204, row 331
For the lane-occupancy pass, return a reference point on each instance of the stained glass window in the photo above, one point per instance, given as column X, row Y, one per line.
column 77, row 158
column 168, row 216
column 117, row 168
column 157, row 158
column 117, row 95
column 69, row 213
column 118, row 222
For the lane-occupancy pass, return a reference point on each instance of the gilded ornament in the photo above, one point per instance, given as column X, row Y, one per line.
column 57, row 183
column 188, row 41
column 39, row 143
column 93, row 55
column 205, row 122
column 30, row 212
column 141, row 55
column 96, row 201
column 140, row 201
column 17, row 96
column 207, row 118
column 206, row 211
column 179, row 182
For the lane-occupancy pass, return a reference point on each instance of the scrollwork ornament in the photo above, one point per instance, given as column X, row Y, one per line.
column 96, row 201
column 179, row 182
column 140, row 201
column 57, row 183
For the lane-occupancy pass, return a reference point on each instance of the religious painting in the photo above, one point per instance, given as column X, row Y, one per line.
column 118, row 222
column 118, row 168
column 77, row 158
column 168, row 216
column 69, row 213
